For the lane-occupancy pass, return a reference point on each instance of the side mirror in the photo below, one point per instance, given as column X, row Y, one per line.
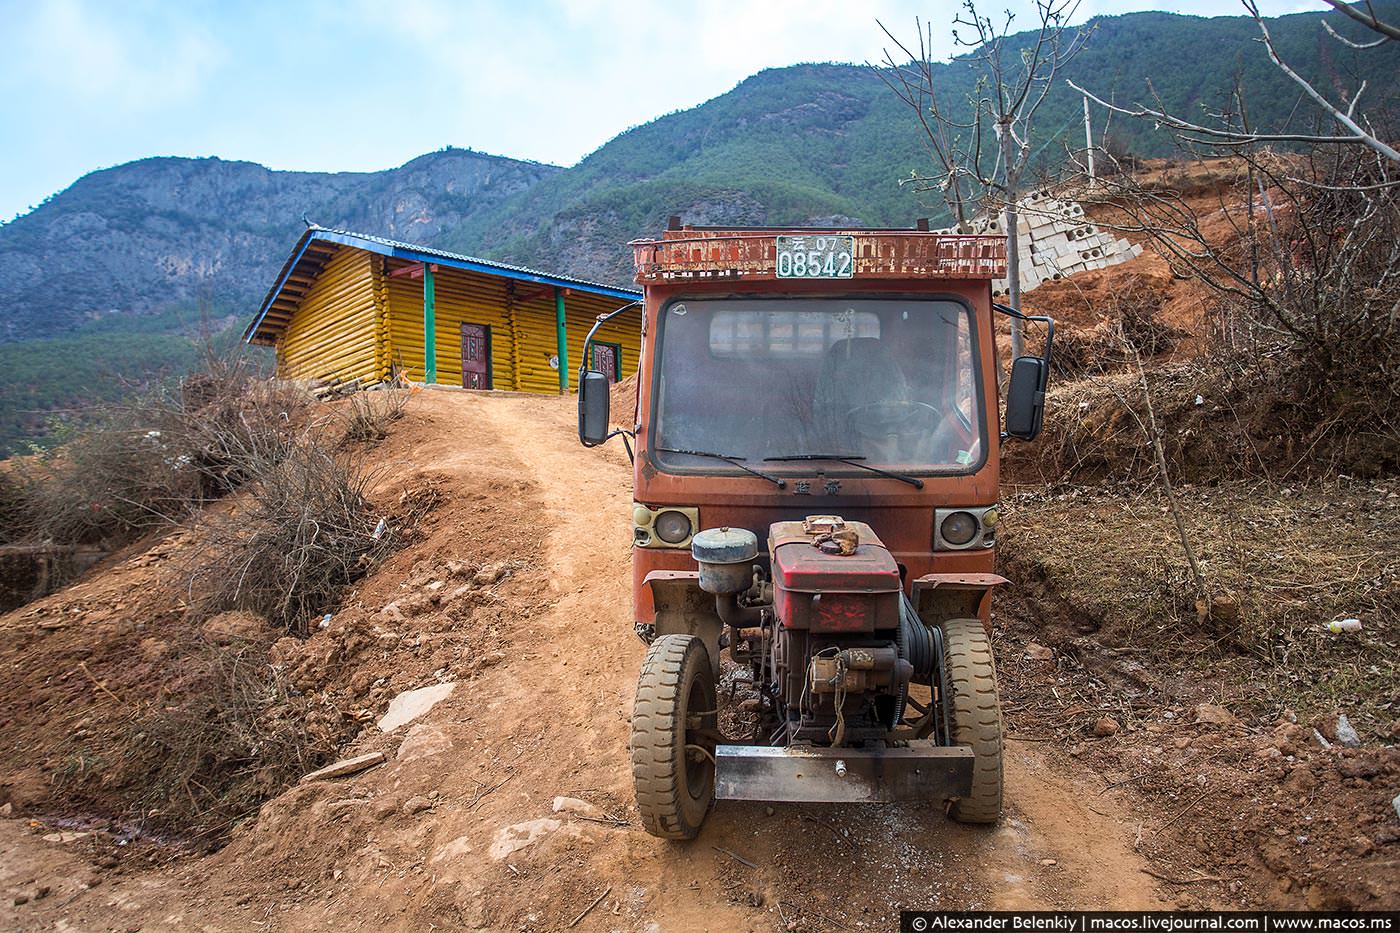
column 593, row 388
column 1025, row 398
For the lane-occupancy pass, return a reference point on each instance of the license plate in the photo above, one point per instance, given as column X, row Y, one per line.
column 815, row 257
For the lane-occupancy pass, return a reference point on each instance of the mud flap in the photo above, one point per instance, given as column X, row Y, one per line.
column 682, row 608
column 806, row 774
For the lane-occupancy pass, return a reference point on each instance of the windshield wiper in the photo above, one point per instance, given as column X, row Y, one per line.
column 737, row 461
column 853, row 461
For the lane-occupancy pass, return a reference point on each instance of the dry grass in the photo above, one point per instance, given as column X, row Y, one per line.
column 299, row 534
column 227, row 733
column 1222, row 419
column 1292, row 559
column 154, row 461
column 368, row 415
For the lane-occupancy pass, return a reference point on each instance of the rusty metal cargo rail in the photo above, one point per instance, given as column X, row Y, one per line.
column 688, row 254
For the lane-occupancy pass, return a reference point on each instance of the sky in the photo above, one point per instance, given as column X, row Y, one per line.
column 361, row 85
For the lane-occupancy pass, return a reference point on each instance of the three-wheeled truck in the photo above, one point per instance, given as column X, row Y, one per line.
column 815, row 475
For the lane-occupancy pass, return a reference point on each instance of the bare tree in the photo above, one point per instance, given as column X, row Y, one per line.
column 954, row 147
column 1303, row 255
column 1356, row 128
column 1015, row 77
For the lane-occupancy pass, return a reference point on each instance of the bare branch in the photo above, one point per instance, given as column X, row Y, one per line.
column 1349, row 42
column 1343, row 118
column 1229, row 137
column 1217, row 136
column 1367, row 19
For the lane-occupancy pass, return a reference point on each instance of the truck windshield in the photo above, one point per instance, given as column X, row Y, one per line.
column 890, row 382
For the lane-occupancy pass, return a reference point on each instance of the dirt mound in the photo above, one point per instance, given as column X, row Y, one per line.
column 623, row 403
column 1238, row 747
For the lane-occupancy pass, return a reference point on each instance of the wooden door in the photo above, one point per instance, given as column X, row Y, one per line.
column 604, row 359
column 476, row 356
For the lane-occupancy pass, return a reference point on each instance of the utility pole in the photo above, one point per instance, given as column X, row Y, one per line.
column 1089, row 140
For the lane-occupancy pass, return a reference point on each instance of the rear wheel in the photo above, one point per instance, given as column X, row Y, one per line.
column 972, row 685
column 673, row 764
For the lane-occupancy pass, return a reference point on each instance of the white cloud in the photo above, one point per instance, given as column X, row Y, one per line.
column 93, row 58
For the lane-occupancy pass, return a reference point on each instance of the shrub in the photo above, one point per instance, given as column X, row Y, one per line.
column 369, row 414
column 302, row 531
column 156, row 460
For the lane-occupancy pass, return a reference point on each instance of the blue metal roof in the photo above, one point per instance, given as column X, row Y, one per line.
column 304, row 256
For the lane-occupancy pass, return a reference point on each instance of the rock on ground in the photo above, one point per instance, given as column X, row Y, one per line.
column 411, row 704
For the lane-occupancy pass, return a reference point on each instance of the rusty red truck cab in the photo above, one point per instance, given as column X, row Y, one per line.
column 834, row 394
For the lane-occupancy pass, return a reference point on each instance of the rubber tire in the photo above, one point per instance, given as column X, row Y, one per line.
column 670, row 808
column 972, row 683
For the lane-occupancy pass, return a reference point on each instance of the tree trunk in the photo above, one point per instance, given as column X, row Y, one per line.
column 1013, row 241
column 1013, row 277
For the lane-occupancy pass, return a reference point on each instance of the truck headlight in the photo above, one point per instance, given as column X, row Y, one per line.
column 667, row 526
column 673, row 527
column 964, row 529
column 958, row 529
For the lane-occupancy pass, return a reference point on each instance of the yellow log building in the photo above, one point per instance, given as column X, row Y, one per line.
column 349, row 306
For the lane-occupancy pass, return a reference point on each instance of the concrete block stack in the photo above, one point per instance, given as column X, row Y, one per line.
column 1056, row 240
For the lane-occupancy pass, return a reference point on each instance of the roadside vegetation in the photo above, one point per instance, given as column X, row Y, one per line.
column 246, row 510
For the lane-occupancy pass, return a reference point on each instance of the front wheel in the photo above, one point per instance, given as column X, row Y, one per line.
column 673, row 750
column 972, row 684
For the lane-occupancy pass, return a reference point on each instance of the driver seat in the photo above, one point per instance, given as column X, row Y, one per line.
column 856, row 371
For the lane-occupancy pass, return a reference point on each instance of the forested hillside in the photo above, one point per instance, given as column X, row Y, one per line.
column 811, row 142
column 108, row 280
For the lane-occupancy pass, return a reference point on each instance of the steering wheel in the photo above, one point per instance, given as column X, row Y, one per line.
column 878, row 420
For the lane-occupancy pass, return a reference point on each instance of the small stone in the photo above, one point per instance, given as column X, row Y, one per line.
column 769, row 811
column 1346, row 733
column 511, row 839
column 392, row 613
column 21, row 899
column 460, row 569
column 383, row 809
column 491, row 573
column 1105, row 727
column 1224, row 610
column 411, row 704
column 1396, row 805
column 345, row 767
column 1211, row 714
column 577, row 807
column 229, row 628
column 1047, row 862
column 6, row 810
column 417, row 604
column 1039, row 652
column 41, row 892
column 416, row 804
column 461, row 592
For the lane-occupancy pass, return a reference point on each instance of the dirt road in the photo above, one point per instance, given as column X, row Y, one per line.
column 457, row 829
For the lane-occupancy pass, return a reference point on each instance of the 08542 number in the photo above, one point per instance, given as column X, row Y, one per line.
column 827, row 256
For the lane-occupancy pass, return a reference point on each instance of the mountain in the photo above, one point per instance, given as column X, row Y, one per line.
column 105, row 282
column 810, row 143
column 165, row 232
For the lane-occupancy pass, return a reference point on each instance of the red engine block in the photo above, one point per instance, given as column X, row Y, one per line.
column 832, row 592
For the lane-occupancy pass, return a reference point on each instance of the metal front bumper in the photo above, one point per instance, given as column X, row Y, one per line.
column 807, row 774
